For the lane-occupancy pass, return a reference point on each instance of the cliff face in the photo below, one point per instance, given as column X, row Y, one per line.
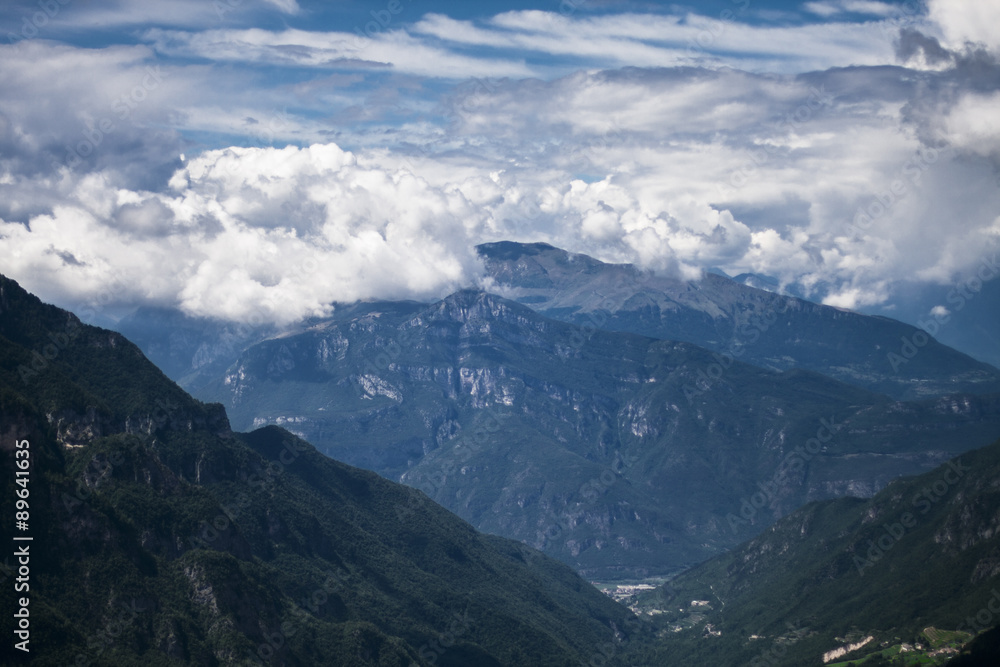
column 617, row 453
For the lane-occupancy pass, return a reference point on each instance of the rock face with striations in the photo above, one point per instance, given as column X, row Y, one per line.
column 618, row 453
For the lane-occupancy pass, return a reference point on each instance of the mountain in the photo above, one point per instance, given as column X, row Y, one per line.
column 742, row 317
column 971, row 318
column 917, row 564
column 969, row 322
column 723, row 315
column 161, row 537
column 190, row 350
column 621, row 455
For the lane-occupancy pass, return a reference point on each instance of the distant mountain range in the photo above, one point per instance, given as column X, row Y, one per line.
column 756, row 326
column 970, row 321
column 620, row 454
column 718, row 313
column 161, row 537
column 631, row 385
column 916, row 565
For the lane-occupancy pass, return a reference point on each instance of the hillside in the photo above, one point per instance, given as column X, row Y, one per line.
column 923, row 553
column 161, row 537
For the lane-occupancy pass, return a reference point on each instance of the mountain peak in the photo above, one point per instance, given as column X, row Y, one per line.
column 760, row 326
column 510, row 250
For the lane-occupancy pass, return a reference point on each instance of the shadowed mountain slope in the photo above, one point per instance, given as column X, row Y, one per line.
column 161, row 537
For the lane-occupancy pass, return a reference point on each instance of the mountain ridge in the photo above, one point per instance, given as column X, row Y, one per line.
column 638, row 436
column 719, row 313
column 162, row 537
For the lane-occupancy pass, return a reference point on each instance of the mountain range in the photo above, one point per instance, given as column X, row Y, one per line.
column 721, row 314
column 673, row 410
column 620, row 454
column 159, row 536
column 718, row 313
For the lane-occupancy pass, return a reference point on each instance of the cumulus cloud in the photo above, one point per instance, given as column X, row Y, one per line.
column 241, row 231
column 967, row 22
column 973, row 124
column 359, row 178
column 288, row 231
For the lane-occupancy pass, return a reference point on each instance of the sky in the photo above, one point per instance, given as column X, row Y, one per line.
column 262, row 159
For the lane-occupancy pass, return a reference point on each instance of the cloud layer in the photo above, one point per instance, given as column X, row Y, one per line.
column 736, row 144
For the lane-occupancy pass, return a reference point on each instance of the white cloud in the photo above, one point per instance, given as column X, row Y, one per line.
column 283, row 230
column 677, row 169
column 964, row 21
column 58, row 17
column 393, row 49
column 439, row 46
column 973, row 124
column 828, row 8
column 658, row 41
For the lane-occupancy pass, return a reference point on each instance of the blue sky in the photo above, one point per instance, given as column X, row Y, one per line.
column 214, row 155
